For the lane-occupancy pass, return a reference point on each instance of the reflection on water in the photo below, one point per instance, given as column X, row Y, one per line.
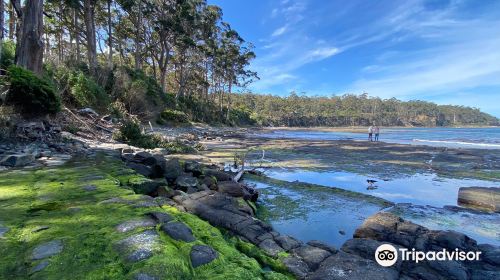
column 307, row 215
column 316, row 213
column 423, row 189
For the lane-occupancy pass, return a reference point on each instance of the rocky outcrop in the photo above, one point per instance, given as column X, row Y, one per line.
column 213, row 196
column 482, row 198
column 388, row 228
column 190, row 177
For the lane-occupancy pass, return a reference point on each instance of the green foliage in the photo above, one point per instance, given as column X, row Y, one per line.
column 174, row 116
column 130, row 132
column 86, row 92
column 31, row 94
column 241, row 115
column 8, row 54
column 354, row 110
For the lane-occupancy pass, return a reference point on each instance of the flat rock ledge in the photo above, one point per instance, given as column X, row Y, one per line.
column 481, row 198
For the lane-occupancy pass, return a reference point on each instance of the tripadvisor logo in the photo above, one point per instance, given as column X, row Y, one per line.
column 387, row 255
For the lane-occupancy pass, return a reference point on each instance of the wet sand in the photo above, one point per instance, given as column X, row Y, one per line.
column 379, row 158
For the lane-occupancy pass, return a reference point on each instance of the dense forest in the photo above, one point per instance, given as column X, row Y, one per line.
column 355, row 110
column 165, row 61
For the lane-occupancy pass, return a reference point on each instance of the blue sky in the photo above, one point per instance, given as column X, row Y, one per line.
column 447, row 52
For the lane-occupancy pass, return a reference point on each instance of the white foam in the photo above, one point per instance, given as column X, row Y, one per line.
column 458, row 143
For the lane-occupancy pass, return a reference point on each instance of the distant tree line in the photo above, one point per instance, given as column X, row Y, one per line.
column 354, row 110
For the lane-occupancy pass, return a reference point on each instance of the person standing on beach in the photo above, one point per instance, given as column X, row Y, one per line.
column 376, row 131
column 370, row 133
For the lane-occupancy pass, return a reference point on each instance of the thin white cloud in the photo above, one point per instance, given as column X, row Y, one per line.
column 321, row 53
column 452, row 52
column 279, row 31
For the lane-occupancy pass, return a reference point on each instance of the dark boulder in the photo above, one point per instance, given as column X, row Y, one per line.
column 145, row 185
column 193, row 167
column 142, row 169
column 270, row 247
column 296, row 266
column 173, row 169
column 178, row 231
column 312, row 256
column 141, row 156
column 202, row 254
column 231, row 188
column 160, row 217
column 165, row 191
column 183, row 182
column 287, row 242
column 321, row 245
column 219, row 175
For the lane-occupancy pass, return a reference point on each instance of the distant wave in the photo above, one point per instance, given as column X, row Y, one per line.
column 458, row 143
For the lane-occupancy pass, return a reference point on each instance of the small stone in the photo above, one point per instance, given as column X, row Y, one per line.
column 133, row 224
column 139, row 255
column 202, row 254
column 40, row 266
column 3, row 230
column 47, row 249
column 139, row 246
column 178, row 231
column 89, row 188
column 160, row 217
column 342, row 232
column 144, row 276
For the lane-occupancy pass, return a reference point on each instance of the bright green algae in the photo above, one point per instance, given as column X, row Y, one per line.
column 55, row 197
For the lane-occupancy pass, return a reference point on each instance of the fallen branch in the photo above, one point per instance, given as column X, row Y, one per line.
column 237, row 177
column 80, row 120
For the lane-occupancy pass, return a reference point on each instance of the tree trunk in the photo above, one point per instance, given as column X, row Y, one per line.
column 89, row 17
column 77, row 37
column 138, row 46
column 110, row 36
column 12, row 22
column 2, row 22
column 29, row 51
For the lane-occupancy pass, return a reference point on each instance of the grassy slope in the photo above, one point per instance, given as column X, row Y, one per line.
column 54, row 197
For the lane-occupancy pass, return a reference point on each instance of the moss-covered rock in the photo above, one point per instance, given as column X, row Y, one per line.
column 85, row 224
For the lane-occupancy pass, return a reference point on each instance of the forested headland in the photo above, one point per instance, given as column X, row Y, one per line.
column 168, row 62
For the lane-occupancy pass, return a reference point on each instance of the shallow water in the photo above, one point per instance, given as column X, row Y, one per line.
column 313, row 215
column 479, row 138
column 423, row 189
column 318, row 214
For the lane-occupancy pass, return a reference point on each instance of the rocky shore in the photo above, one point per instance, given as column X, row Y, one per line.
column 150, row 211
column 219, row 206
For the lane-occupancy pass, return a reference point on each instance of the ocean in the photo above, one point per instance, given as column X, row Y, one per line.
column 478, row 138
